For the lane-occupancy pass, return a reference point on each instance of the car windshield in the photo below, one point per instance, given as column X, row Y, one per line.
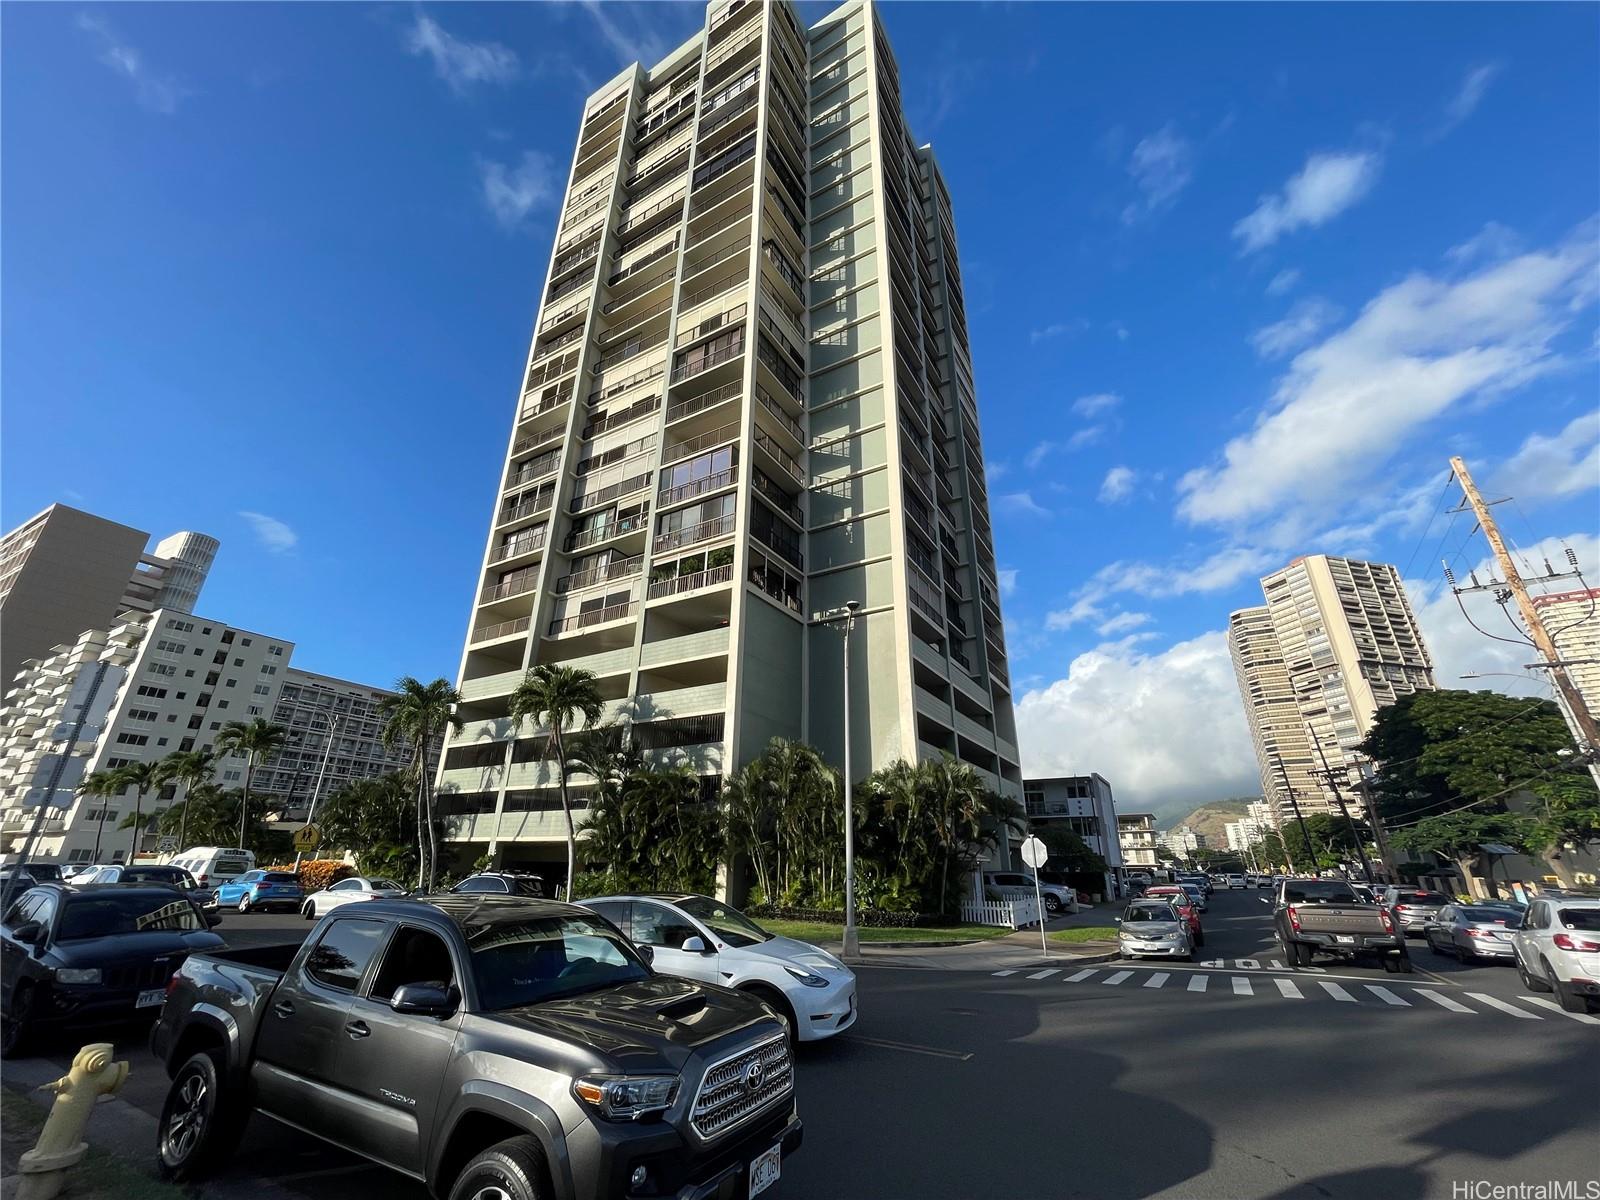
column 1587, row 919
column 386, row 885
column 729, row 924
column 1149, row 912
column 230, row 866
column 279, row 877
column 532, row 960
column 1491, row 914
column 171, row 876
column 1422, row 898
column 105, row 914
column 1318, row 891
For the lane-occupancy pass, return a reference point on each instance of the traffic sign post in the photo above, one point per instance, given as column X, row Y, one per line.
column 306, row 838
column 1035, row 855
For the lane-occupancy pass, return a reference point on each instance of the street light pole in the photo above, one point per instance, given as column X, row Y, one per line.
column 852, row 946
column 316, row 788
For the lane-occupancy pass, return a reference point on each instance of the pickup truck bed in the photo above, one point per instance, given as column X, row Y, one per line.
column 1314, row 916
column 1340, row 918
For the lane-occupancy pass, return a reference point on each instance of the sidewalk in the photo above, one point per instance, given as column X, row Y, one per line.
column 1013, row 951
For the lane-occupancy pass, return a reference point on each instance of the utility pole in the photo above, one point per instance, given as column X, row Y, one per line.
column 1375, row 819
column 1581, row 720
column 1288, row 790
column 1338, row 796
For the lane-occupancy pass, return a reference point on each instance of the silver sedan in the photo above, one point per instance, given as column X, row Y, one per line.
column 1153, row 929
column 350, row 891
column 1473, row 931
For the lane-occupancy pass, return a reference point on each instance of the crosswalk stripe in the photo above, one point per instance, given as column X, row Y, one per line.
column 1241, row 986
column 1197, row 983
column 1504, row 1007
column 1118, row 977
column 1289, row 988
column 1337, row 992
column 1000, row 974
column 1551, row 1004
column 1045, row 974
column 1444, row 1001
column 1079, row 977
column 1277, row 964
column 1388, row 997
column 1158, row 979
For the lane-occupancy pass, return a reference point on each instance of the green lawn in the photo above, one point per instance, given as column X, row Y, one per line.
column 816, row 931
column 100, row 1176
column 1085, row 933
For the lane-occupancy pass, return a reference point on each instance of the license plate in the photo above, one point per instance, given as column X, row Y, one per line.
column 765, row 1170
column 1343, row 937
column 150, row 998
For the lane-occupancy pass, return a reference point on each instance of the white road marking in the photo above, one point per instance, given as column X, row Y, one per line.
column 1504, row 1007
column 1045, row 974
column 1443, row 1001
column 1197, row 983
column 1247, row 964
column 1276, row 964
column 1079, row 977
column 1388, row 997
column 1118, row 977
column 1214, row 962
column 1157, row 980
column 1000, row 974
column 1337, row 992
column 1289, row 989
column 1241, row 986
column 1551, row 1004
column 908, row 1047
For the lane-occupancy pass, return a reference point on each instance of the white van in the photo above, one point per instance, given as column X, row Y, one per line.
column 214, row 865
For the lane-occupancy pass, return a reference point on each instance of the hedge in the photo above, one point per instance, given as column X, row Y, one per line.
column 869, row 918
column 318, row 873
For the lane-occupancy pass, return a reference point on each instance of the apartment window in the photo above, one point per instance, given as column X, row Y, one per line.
column 186, row 744
column 171, row 647
column 142, row 714
column 154, row 693
column 255, row 710
column 206, row 631
column 216, row 725
column 222, row 704
column 161, row 669
column 194, row 721
column 230, row 776
column 161, row 741
column 182, row 695
column 188, row 674
column 263, row 689
column 212, row 677
column 180, row 626
column 172, row 717
column 277, row 650
column 268, row 669
column 133, row 739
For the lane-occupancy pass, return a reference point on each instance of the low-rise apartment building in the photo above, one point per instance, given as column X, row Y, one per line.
column 1136, row 840
column 1085, row 805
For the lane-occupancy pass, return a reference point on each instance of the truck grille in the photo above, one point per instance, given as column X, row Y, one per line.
column 741, row 1086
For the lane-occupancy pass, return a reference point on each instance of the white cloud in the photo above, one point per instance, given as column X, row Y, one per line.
column 1469, row 95
column 1023, row 504
column 1550, row 467
column 1216, row 572
column 159, row 93
column 1122, row 623
column 1039, row 452
column 1084, row 607
column 1493, row 241
column 1121, row 330
column 1283, row 281
column 458, row 62
column 272, row 533
column 1086, row 436
column 1117, row 485
column 633, row 40
column 996, row 470
column 1167, row 729
column 1058, row 329
column 1093, row 406
column 1305, row 320
column 1162, row 166
column 1008, row 580
column 512, row 192
column 1346, row 406
column 1326, row 186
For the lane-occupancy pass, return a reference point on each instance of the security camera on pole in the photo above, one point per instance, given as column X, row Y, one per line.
column 1035, row 855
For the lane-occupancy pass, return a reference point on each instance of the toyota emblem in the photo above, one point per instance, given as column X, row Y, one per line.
column 753, row 1075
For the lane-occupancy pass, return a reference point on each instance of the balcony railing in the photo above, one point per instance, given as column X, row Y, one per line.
column 689, row 583
column 722, row 283
column 699, row 365
column 572, row 285
column 639, row 289
column 697, row 487
column 705, row 400
column 521, row 545
column 622, row 417
column 629, row 350
column 613, row 491
column 595, row 616
column 578, row 539
column 527, row 508
column 690, row 534
column 617, row 387
column 485, row 633
column 649, row 260
column 787, row 270
column 705, row 441
column 620, row 569
column 777, row 497
column 784, row 458
column 782, row 414
column 538, row 468
column 514, row 585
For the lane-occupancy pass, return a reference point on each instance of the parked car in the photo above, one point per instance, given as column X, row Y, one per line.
column 73, row 872
column 350, row 891
column 83, row 959
column 168, row 876
column 1191, row 877
column 1236, row 880
column 1151, row 928
column 1557, row 949
column 1473, row 931
column 40, row 872
column 490, row 1046
column 262, row 889
column 501, row 883
column 1196, row 893
column 1263, row 881
column 701, row 938
column 213, row 865
column 1013, row 885
column 1323, row 915
column 1183, row 901
column 1412, row 908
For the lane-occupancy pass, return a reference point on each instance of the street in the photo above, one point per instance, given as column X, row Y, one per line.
column 1220, row 1079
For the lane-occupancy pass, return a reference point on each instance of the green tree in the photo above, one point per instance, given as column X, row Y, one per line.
column 654, row 832
column 141, row 777
column 960, row 807
column 782, row 811
column 1461, row 837
column 416, row 716
column 1069, row 853
column 558, row 696
column 102, row 786
column 256, row 741
column 376, row 820
column 207, row 814
column 189, row 769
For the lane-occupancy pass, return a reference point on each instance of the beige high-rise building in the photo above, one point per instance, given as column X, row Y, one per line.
column 749, row 400
column 1572, row 619
column 1348, row 644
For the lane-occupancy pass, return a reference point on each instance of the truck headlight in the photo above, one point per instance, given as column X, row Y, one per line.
column 806, row 977
column 627, row 1097
column 77, row 974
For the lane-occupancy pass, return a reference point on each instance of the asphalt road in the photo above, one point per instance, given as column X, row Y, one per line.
column 1129, row 1080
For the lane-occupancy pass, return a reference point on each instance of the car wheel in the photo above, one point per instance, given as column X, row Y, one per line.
column 1463, row 955
column 1570, row 999
column 514, row 1169
column 1403, row 965
column 201, row 1122
column 775, row 1000
column 1530, row 981
column 16, row 1027
column 1052, row 905
column 1434, row 946
column 244, row 903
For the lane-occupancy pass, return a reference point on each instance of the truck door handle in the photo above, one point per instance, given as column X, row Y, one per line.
column 283, row 1008
column 358, row 1029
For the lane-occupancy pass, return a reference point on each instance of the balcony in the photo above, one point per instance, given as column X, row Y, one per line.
column 780, row 456
column 620, row 569
column 533, row 471
column 777, row 497
column 700, row 364
column 689, row 447
column 712, row 643
column 516, row 584
column 595, row 616
column 577, row 540
column 612, row 491
column 500, row 629
column 712, row 577
column 673, row 539
column 626, row 416
column 528, row 508
column 697, row 487
column 534, row 541
column 682, row 702
column 489, row 686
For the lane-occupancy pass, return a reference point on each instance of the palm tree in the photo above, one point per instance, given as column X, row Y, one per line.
column 557, row 695
column 189, row 768
column 419, row 714
column 256, row 741
column 959, row 802
column 103, row 786
column 141, row 777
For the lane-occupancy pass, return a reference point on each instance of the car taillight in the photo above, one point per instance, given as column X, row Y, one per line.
column 1400, row 908
column 1479, row 933
column 204, row 879
column 1388, row 922
column 172, row 983
column 1294, row 918
column 1567, row 942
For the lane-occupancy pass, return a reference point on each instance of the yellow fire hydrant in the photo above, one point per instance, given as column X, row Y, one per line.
column 93, row 1075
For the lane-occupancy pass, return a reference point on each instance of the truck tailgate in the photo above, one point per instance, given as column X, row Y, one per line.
column 1340, row 918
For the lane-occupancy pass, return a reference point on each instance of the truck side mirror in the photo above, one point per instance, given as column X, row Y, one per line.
column 213, row 920
column 27, row 933
column 424, row 999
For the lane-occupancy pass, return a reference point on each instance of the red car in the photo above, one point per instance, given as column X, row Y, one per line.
column 1184, row 903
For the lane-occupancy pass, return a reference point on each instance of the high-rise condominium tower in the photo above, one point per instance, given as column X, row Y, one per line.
column 1335, row 642
column 749, row 400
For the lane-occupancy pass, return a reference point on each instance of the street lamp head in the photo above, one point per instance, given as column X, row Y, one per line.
column 850, row 606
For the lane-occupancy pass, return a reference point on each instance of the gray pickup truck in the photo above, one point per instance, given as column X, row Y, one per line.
column 489, row 1046
column 1326, row 915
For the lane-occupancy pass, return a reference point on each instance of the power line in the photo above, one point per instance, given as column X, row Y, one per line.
column 1444, row 495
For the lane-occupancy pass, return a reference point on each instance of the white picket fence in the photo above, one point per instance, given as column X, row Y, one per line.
column 1012, row 914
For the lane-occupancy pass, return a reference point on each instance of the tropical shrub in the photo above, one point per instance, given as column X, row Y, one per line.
column 318, row 873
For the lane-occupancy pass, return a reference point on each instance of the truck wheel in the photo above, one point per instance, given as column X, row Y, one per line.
column 201, row 1122
column 514, row 1169
column 16, row 1027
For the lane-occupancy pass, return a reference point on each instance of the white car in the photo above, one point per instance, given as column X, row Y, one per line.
column 1557, row 948
column 1236, row 880
column 701, row 938
column 348, row 891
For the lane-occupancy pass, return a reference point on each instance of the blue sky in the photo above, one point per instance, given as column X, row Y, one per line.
column 1240, row 279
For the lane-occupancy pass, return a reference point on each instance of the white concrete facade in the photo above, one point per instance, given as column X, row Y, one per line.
column 1136, row 840
column 1572, row 618
column 1084, row 804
